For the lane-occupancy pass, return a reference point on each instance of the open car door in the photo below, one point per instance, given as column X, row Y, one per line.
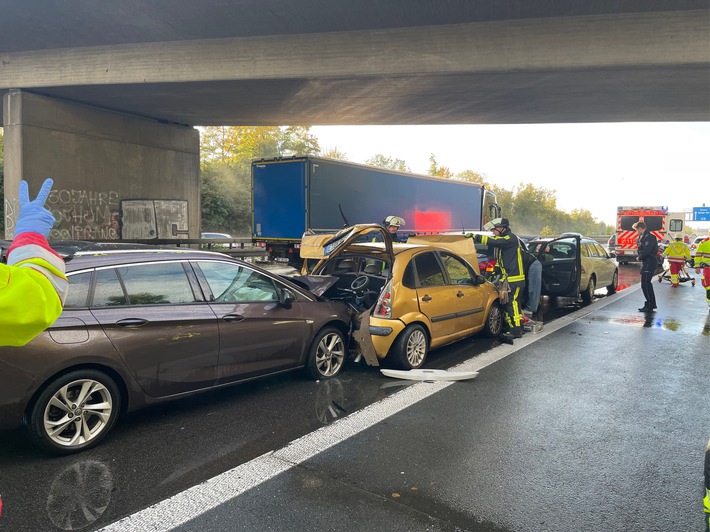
column 561, row 261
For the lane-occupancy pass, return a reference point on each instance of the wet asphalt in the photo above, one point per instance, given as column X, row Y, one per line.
column 599, row 424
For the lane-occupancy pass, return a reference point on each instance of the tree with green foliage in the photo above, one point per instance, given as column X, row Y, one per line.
column 297, row 140
column 334, row 153
column 226, row 199
column 532, row 208
column 438, row 171
column 226, row 154
column 241, row 144
column 390, row 163
column 472, row 177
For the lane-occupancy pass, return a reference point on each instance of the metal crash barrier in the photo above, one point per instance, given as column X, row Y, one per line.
column 234, row 247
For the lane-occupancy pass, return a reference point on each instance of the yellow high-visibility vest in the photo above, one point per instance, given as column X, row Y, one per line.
column 32, row 288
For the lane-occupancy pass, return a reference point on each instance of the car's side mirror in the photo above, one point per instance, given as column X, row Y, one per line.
column 480, row 279
column 286, row 298
column 612, row 254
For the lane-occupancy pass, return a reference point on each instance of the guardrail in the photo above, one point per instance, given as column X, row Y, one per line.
column 236, row 247
column 602, row 239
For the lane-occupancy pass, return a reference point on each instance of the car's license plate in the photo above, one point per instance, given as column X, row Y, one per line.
column 280, row 259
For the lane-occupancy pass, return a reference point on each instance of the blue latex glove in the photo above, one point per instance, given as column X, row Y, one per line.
column 34, row 218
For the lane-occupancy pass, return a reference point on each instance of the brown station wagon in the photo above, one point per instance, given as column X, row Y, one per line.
column 144, row 326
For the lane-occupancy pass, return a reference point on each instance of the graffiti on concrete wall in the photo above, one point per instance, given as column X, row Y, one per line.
column 79, row 215
column 10, row 216
column 103, row 215
column 84, row 214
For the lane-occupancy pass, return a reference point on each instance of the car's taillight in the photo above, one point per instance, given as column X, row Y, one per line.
column 488, row 265
column 383, row 308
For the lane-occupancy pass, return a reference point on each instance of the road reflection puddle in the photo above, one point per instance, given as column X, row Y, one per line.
column 648, row 321
column 79, row 495
column 337, row 397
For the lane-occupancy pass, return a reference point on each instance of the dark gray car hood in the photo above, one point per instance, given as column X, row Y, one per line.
column 317, row 284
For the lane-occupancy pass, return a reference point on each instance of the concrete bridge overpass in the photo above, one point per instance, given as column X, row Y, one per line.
column 106, row 93
column 270, row 62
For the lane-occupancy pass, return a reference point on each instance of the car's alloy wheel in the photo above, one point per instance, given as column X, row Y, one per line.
column 74, row 412
column 327, row 354
column 411, row 347
column 494, row 322
column 588, row 294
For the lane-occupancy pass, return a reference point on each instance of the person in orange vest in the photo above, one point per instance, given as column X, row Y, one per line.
column 677, row 253
column 702, row 260
column 32, row 283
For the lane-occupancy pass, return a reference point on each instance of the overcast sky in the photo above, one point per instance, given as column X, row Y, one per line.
column 591, row 166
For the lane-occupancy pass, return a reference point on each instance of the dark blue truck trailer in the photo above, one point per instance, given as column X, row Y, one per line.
column 293, row 195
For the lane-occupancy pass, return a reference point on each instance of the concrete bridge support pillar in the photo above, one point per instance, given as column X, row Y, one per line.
column 115, row 176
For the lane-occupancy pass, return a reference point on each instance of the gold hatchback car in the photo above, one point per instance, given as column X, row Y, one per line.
column 405, row 298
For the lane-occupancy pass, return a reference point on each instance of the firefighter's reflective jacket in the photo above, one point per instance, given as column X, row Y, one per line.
column 32, row 288
column 702, row 254
column 677, row 252
column 506, row 251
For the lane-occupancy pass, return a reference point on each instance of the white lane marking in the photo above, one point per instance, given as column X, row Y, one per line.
column 191, row 503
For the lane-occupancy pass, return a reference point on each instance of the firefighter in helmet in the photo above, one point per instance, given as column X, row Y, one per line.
column 677, row 252
column 702, row 260
column 32, row 283
column 392, row 224
column 509, row 262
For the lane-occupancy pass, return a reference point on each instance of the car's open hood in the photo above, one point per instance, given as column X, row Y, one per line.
column 317, row 284
column 325, row 245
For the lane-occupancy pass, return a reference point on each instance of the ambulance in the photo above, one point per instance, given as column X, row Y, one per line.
column 658, row 221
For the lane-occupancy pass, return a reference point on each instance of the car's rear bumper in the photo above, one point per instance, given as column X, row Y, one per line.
column 383, row 334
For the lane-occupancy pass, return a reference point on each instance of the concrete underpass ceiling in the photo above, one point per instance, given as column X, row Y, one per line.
column 525, row 97
column 676, row 87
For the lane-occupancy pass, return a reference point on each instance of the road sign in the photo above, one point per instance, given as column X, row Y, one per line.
column 701, row 214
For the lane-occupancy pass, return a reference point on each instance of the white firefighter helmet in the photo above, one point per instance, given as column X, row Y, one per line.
column 397, row 221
